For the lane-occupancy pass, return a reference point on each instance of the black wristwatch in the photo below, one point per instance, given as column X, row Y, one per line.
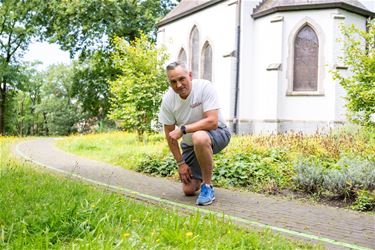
column 183, row 129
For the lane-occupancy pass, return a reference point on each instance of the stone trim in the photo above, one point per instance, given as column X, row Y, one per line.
column 274, row 126
column 312, row 6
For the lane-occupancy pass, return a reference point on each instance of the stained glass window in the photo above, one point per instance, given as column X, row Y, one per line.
column 306, row 52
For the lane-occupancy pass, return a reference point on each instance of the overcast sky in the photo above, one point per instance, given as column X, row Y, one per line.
column 47, row 53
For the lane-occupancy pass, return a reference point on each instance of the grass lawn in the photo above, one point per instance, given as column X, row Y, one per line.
column 118, row 148
column 39, row 210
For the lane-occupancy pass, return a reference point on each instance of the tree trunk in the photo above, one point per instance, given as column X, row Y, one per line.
column 2, row 107
column 46, row 131
column 22, row 116
column 140, row 136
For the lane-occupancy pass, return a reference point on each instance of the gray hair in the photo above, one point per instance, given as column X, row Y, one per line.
column 175, row 64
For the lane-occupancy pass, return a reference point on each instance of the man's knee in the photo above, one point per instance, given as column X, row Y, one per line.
column 201, row 138
column 188, row 190
column 192, row 187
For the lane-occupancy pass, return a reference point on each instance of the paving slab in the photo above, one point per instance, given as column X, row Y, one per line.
column 336, row 228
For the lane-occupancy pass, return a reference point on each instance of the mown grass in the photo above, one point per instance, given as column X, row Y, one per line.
column 118, row 148
column 39, row 210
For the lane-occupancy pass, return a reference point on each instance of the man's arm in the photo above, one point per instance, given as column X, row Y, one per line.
column 209, row 122
column 183, row 170
column 172, row 143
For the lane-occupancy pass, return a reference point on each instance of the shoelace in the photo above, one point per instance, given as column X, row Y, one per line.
column 204, row 190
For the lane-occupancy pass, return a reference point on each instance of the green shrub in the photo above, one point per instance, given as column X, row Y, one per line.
column 155, row 137
column 342, row 178
column 254, row 171
column 365, row 201
column 362, row 172
column 358, row 45
column 353, row 174
column 257, row 171
column 158, row 165
column 339, row 182
column 309, row 176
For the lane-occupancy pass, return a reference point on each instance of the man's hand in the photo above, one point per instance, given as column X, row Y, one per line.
column 175, row 134
column 185, row 173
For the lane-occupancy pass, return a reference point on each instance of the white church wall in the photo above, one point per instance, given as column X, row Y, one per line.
column 266, row 102
column 328, row 110
column 305, row 107
column 247, row 95
column 272, row 108
column 217, row 26
column 263, row 87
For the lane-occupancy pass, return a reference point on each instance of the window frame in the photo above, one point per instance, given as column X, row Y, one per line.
column 180, row 53
column 191, row 49
column 320, row 74
column 203, row 59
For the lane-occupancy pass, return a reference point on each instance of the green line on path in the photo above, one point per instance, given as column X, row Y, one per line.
column 197, row 209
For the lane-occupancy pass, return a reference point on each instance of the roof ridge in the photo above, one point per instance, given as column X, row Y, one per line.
column 258, row 5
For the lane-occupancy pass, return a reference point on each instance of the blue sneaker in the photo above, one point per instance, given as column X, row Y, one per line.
column 207, row 195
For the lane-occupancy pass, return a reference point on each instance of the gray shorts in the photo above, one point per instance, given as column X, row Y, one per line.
column 220, row 138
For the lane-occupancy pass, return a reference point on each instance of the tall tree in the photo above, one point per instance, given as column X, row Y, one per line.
column 87, row 28
column 84, row 26
column 359, row 55
column 25, row 120
column 90, row 83
column 20, row 21
column 137, row 92
column 59, row 109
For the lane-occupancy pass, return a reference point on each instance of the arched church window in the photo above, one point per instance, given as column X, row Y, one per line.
column 194, row 48
column 207, row 62
column 306, row 53
column 182, row 56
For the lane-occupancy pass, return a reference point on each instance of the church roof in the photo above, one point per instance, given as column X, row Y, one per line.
column 267, row 7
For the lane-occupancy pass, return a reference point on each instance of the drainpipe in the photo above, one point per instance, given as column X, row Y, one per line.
column 237, row 83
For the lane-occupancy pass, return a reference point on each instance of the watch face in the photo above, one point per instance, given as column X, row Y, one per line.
column 183, row 129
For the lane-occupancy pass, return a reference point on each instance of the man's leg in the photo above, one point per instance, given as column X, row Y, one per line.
column 206, row 143
column 203, row 151
column 189, row 157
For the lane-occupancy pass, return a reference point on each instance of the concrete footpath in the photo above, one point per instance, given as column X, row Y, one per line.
column 333, row 227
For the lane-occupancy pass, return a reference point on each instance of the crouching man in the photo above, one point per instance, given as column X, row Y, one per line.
column 190, row 109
